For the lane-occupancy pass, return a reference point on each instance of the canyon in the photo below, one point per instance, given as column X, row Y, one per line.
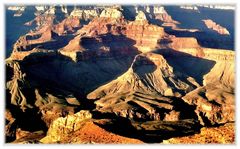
column 121, row 74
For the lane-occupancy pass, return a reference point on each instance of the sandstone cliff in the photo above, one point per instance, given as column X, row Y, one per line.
column 216, row 27
column 81, row 129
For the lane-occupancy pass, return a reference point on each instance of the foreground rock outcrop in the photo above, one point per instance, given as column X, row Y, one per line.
column 81, row 129
column 222, row 135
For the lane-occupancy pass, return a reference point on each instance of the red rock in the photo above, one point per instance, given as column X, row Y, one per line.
column 45, row 32
column 67, row 24
column 41, row 19
column 145, row 35
column 140, row 31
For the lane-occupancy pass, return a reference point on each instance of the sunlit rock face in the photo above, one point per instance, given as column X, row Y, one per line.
column 162, row 15
column 221, row 135
column 216, row 97
column 67, row 25
column 121, row 74
column 144, row 36
column 63, row 126
column 111, row 13
column 141, row 16
column 80, row 128
column 216, row 27
column 85, row 14
column 131, row 88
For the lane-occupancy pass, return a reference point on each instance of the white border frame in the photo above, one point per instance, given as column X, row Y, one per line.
column 104, row 2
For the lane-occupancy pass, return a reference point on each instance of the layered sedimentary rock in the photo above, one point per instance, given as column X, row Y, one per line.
column 106, row 23
column 135, row 80
column 222, row 135
column 24, row 93
column 183, row 43
column 106, row 32
column 17, row 97
column 81, row 129
column 216, row 97
column 64, row 126
column 47, row 35
column 41, row 20
column 149, row 78
column 157, row 85
column 67, row 25
column 139, row 34
column 111, row 13
column 24, row 42
column 162, row 15
column 188, row 45
column 85, row 14
column 216, row 27
column 146, row 35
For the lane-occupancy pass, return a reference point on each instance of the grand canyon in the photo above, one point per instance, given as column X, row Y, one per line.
column 120, row 74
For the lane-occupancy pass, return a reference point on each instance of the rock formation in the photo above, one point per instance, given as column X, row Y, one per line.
column 149, row 78
column 117, row 26
column 216, row 27
column 67, row 25
column 96, row 76
column 45, row 33
column 111, row 13
column 152, row 33
column 19, row 10
column 41, row 20
column 216, row 98
column 26, row 137
column 162, row 15
column 81, row 129
column 10, row 126
column 85, row 14
column 64, row 126
column 222, row 135
column 141, row 16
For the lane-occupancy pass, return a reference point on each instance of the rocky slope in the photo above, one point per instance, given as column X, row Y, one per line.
column 216, row 97
column 224, row 135
column 80, row 128
column 147, row 86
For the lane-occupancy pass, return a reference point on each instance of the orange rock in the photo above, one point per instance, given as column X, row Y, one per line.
column 216, row 27
column 91, row 133
column 67, row 25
